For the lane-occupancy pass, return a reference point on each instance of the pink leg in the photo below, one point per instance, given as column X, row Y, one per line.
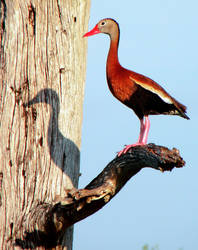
column 142, row 127
column 142, row 140
column 146, row 130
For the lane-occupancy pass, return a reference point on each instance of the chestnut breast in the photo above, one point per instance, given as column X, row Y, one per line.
column 120, row 84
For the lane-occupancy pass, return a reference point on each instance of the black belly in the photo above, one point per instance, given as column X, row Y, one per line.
column 144, row 102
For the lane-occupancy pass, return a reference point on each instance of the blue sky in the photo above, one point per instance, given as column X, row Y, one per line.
column 158, row 39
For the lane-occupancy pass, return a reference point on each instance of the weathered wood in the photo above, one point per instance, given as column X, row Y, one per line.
column 42, row 58
column 53, row 219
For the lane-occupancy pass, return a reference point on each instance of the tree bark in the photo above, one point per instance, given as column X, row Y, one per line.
column 42, row 64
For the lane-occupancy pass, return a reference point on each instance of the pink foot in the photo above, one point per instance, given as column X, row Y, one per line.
column 130, row 146
column 142, row 140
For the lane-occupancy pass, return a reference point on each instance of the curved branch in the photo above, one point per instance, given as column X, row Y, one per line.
column 81, row 203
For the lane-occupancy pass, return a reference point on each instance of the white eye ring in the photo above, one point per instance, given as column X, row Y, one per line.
column 103, row 23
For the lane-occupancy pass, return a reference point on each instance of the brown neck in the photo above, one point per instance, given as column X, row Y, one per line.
column 112, row 59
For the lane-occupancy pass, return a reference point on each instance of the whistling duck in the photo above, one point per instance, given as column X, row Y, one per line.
column 136, row 91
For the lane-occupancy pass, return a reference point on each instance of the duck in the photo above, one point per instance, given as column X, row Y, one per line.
column 136, row 91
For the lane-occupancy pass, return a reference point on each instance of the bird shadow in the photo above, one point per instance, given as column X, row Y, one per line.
column 62, row 150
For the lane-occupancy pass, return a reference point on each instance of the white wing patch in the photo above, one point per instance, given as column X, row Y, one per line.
column 158, row 92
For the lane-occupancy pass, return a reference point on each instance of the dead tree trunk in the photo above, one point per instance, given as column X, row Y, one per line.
column 42, row 64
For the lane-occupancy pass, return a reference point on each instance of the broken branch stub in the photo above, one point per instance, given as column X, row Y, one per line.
column 81, row 203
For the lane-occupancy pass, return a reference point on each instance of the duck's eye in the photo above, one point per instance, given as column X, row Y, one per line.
column 103, row 23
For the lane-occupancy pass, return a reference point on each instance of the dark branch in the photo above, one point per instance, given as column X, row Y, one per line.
column 80, row 203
